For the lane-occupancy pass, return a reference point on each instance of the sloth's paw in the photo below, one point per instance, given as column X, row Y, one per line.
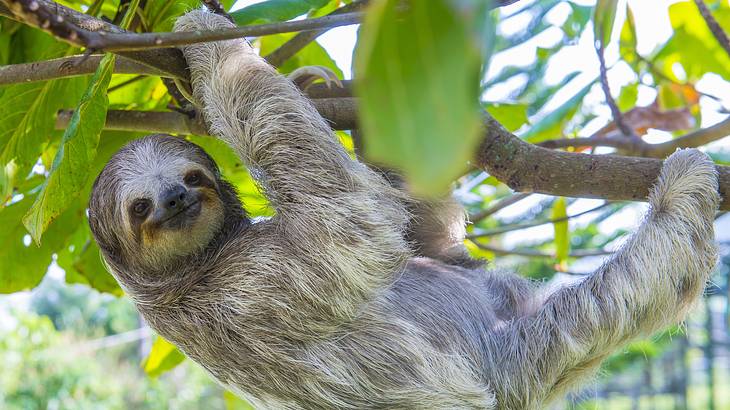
column 688, row 185
column 303, row 77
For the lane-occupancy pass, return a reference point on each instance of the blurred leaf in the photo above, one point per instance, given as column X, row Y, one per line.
column 511, row 116
column 419, row 91
column 627, row 40
column 163, row 357
column 73, row 160
column 603, row 19
column 234, row 402
column 720, row 157
column 628, row 96
column 576, row 22
column 536, row 25
column 551, row 126
column 272, row 11
column 693, row 46
column 562, row 234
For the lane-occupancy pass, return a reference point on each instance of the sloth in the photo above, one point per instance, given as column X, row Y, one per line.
column 354, row 295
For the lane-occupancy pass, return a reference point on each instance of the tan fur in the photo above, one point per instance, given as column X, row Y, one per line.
column 326, row 306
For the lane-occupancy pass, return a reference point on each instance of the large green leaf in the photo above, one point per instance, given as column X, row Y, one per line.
column 73, row 160
column 419, row 86
column 163, row 356
column 22, row 263
column 272, row 11
column 27, row 113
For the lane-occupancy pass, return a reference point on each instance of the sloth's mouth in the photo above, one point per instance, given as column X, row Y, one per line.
column 182, row 217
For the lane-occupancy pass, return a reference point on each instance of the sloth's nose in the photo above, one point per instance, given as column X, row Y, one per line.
column 174, row 198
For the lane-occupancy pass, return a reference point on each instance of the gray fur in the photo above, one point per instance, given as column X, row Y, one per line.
column 326, row 306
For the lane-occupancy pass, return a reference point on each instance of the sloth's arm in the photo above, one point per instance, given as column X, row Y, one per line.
column 647, row 285
column 343, row 221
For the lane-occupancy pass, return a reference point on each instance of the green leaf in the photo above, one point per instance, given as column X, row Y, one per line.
column 234, row 402
column 511, row 116
column 419, row 89
column 311, row 54
column 28, row 115
column 81, row 260
column 693, row 45
column 576, row 22
column 272, row 11
column 627, row 40
column 551, row 126
column 22, row 263
column 71, row 166
column 163, row 357
column 562, row 240
column 603, row 19
column 627, row 98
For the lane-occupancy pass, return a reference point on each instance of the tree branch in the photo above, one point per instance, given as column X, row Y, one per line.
column 340, row 112
column 714, row 26
column 169, row 60
column 39, row 15
column 501, row 204
column 522, row 166
column 69, row 67
column 528, row 168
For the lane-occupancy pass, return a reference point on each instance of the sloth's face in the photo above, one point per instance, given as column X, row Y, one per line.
column 157, row 199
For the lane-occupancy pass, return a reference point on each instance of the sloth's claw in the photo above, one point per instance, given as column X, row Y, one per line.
column 303, row 77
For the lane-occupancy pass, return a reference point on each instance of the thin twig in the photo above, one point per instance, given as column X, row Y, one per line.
column 532, row 253
column 618, row 118
column 125, row 83
column 692, row 139
column 512, row 228
column 714, row 26
column 501, row 204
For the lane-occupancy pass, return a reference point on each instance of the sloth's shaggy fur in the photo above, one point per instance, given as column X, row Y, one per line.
column 327, row 305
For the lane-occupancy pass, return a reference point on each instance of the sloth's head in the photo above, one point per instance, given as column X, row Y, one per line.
column 158, row 199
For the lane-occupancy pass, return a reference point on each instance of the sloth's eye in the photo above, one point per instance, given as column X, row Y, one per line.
column 193, row 178
column 141, row 207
